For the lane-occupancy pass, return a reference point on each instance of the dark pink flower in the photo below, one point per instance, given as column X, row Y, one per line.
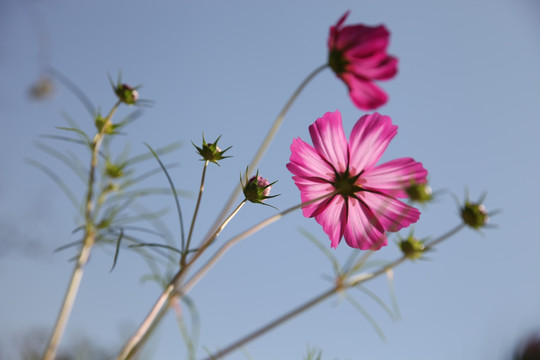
column 357, row 54
column 364, row 202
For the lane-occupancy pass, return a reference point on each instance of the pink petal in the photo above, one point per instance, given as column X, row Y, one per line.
column 333, row 220
column 362, row 40
column 334, row 31
column 376, row 67
column 369, row 138
column 363, row 230
column 305, row 161
column 329, row 140
column 392, row 177
column 391, row 213
column 364, row 93
column 311, row 189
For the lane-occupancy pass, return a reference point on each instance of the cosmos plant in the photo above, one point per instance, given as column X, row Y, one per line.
column 341, row 182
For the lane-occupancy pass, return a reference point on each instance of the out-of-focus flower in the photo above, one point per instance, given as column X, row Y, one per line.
column 474, row 215
column 529, row 350
column 42, row 89
column 357, row 55
column 420, row 193
column 127, row 94
column 211, row 151
column 412, row 247
column 257, row 189
column 363, row 198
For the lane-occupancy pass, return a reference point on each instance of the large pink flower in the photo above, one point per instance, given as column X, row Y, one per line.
column 364, row 202
column 357, row 54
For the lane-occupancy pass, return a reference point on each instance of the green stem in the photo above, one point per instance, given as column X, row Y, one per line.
column 341, row 285
column 280, row 320
column 219, row 254
column 201, row 189
column 163, row 301
column 88, row 242
column 268, row 140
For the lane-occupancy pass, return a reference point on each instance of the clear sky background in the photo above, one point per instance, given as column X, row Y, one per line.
column 467, row 103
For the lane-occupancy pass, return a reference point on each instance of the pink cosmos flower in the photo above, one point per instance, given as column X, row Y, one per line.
column 357, row 54
column 364, row 202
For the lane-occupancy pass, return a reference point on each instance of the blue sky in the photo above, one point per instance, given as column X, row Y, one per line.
column 466, row 101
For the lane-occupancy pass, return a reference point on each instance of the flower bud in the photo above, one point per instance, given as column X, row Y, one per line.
column 211, row 152
column 257, row 189
column 473, row 214
column 411, row 247
column 114, row 170
column 420, row 193
column 103, row 125
column 126, row 94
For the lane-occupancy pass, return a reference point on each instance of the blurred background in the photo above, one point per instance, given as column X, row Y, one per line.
column 466, row 100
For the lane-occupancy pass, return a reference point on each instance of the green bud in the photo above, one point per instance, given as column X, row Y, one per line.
column 103, row 125
column 420, row 193
column 114, row 170
column 257, row 189
column 475, row 215
column 126, row 94
column 211, row 152
column 412, row 248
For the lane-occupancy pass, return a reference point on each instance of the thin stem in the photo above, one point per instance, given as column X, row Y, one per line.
column 360, row 278
column 201, row 189
column 280, row 320
column 214, row 259
column 268, row 140
column 162, row 303
column 341, row 285
column 88, row 242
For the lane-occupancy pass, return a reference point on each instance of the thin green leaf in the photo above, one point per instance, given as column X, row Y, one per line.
column 137, row 241
column 57, row 180
column 393, row 297
column 78, row 131
column 324, row 250
column 366, row 315
column 68, row 245
column 352, row 257
column 76, row 168
column 64, row 138
column 378, row 300
column 190, row 339
column 145, row 216
column 173, row 188
column 156, row 245
column 146, row 175
column 70, row 85
column 117, row 251
column 160, row 151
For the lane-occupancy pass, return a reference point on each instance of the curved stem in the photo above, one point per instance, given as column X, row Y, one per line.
column 88, row 242
column 201, row 189
column 341, row 285
column 214, row 259
column 360, row 278
column 162, row 303
column 268, row 139
column 280, row 320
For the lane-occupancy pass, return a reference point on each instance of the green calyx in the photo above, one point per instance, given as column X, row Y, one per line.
column 337, row 61
column 126, row 94
column 412, row 248
column 420, row 193
column 257, row 189
column 474, row 215
column 211, row 151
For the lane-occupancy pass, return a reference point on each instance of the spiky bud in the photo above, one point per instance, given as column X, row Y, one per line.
column 211, row 151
